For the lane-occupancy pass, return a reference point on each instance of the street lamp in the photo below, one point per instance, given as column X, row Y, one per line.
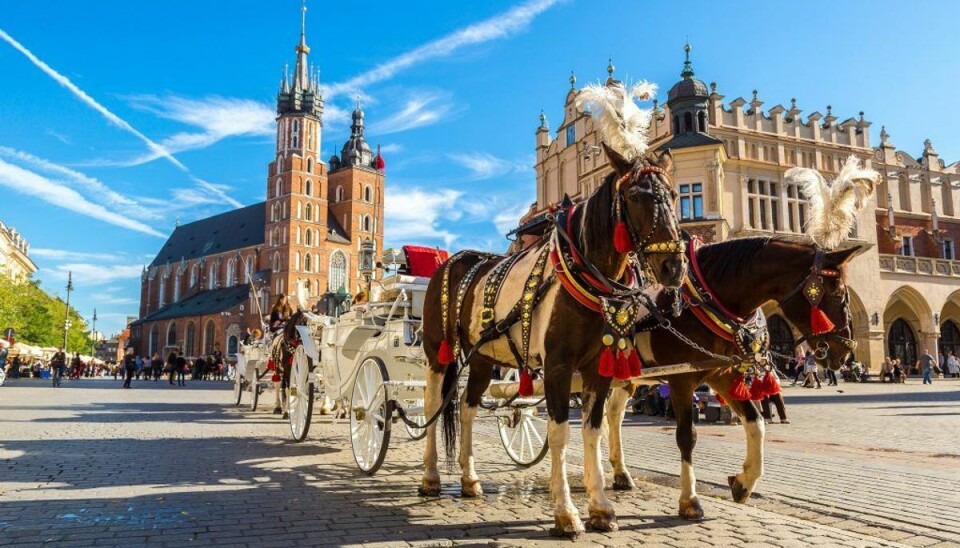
column 368, row 263
column 66, row 312
column 94, row 332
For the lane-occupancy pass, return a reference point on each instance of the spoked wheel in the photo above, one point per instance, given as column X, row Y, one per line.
column 237, row 388
column 255, row 389
column 370, row 416
column 300, row 398
column 524, row 434
column 419, row 418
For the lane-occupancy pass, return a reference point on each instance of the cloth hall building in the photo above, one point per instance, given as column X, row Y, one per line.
column 730, row 157
column 196, row 295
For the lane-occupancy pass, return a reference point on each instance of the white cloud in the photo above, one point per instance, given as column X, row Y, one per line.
column 413, row 215
column 90, row 101
column 501, row 25
column 94, row 274
column 426, row 108
column 480, row 164
column 109, row 197
column 63, row 254
column 59, row 136
column 58, row 194
column 508, row 219
column 392, row 148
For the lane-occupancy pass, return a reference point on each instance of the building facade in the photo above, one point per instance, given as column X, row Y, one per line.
column 15, row 260
column 729, row 161
column 215, row 277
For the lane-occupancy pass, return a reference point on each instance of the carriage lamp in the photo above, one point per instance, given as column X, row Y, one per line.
column 368, row 261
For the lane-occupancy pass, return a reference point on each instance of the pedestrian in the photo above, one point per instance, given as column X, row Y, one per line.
column 129, row 367
column 886, row 370
column 172, row 365
column 181, row 367
column 898, row 374
column 777, row 401
column 156, row 366
column 798, row 362
column 810, row 370
column 926, row 362
column 831, row 376
column 952, row 365
column 199, row 365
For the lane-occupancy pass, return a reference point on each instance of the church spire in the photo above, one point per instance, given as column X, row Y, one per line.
column 301, row 78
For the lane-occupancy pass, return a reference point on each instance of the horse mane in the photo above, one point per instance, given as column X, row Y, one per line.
column 731, row 259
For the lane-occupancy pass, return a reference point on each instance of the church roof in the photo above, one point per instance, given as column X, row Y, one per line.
column 235, row 229
column 212, row 301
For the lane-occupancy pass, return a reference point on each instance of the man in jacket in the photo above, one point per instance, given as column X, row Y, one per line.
column 129, row 367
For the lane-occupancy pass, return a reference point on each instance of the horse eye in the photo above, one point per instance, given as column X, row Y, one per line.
column 634, row 193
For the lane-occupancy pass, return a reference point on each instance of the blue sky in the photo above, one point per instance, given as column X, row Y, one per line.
column 118, row 118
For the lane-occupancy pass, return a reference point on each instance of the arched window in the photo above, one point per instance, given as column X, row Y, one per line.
column 248, row 270
column 676, row 123
column 163, row 292
column 338, row 271
column 299, row 210
column 368, row 194
column 296, row 134
column 702, row 121
column 176, row 286
column 308, row 238
column 276, row 262
column 194, row 272
column 232, row 345
column 338, row 195
column 277, row 188
column 687, row 122
column 275, row 237
column 172, row 334
column 949, row 338
column 367, row 224
column 309, row 166
column 902, row 343
column 231, row 273
column 307, row 265
column 309, row 212
column 209, row 336
column 308, row 188
column 212, row 277
column 296, row 261
column 190, row 339
column 154, row 345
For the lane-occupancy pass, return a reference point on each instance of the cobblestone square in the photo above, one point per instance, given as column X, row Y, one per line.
column 90, row 464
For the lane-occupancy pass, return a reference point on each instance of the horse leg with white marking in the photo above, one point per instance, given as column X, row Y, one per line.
column 430, row 483
column 681, row 398
column 595, row 388
column 742, row 484
column 557, row 386
column 479, row 380
column 616, row 405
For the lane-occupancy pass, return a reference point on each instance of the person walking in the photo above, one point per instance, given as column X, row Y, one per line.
column 810, row 370
column 156, row 367
column 181, row 367
column 172, row 365
column 58, row 363
column 926, row 362
column 831, row 377
column 799, row 360
column 777, row 401
column 129, row 367
column 952, row 366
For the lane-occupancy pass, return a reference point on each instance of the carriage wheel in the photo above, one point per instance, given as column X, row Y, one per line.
column 254, row 389
column 419, row 418
column 237, row 388
column 524, row 434
column 300, row 398
column 370, row 416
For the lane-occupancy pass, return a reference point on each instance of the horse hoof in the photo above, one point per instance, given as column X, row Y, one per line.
column 623, row 482
column 737, row 490
column 691, row 510
column 471, row 489
column 602, row 523
column 429, row 488
column 567, row 527
column 286, row 415
column 277, row 411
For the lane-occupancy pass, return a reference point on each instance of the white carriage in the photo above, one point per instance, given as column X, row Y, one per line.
column 371, row 363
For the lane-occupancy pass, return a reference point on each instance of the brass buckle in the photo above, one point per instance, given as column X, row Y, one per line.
column 670, row 246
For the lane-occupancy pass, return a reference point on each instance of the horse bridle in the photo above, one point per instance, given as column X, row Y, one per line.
column 661, row 199
column 813, row 291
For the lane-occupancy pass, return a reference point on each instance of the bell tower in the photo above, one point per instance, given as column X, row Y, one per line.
column 296, row 206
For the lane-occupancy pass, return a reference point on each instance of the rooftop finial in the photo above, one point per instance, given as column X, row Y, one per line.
column 573, row 80
column 303, row 18
column 543, row 119
column 687, row 66
column 610, row 67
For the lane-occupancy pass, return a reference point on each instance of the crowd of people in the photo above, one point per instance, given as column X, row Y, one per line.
column 175, row 368
column 893, row 370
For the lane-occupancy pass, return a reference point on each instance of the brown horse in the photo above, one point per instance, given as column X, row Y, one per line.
column 559, row 333
column 742, row 275
column 284, row 345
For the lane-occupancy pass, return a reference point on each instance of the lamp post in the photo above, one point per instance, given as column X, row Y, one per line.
column 66, row 312
column 368, row 266
column 94, row 333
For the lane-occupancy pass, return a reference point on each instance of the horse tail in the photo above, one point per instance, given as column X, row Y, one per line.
column 451, row 419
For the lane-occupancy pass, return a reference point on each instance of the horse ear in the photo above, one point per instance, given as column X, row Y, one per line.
column 665, row 161
column 842, row 256
column 620, row 164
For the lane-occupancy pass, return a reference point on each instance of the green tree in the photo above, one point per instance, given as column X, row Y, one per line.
column 38, row 317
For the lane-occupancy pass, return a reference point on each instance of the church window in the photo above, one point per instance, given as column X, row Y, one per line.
column 194, row 271
column 339, row 194
column 307, row 263
column 308, row 188
column 277, row 188
column 172, row 334
column 296, row 134
column 248, row 276
column 209, row 333
column 212, row 277
column 368, row 194
column 687, row 122
column 309, row 166
column 571, row 134
column 176, row 287
column 309, row 212
column 189, row 339
column 367, row 225
column 163, row 291
column 338, row 271
column 275, row 239
column 231, row 273
column 296, row 261
column 702, row 121
column 691, row 201
column 276, row 262
column 308, row 238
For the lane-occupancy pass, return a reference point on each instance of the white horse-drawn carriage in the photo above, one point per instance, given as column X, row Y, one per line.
column 370, row 364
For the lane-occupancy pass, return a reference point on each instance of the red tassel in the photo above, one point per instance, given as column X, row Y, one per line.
column 622, row 369
column 607, row 362
column 622, row 241
column 275, row 377
column 757, row 389
column 738, row 390
column 636, row 366
column 772, row 386
column 271, row 365
column 819, row 322
column 526, row 383
column 445, row 354
column 720, row 399
column 290, row 359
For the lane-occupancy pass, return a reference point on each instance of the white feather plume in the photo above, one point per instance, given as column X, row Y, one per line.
column 623, row 124
column 303, row 301
column 834, row 206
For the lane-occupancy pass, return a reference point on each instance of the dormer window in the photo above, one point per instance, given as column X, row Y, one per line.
column 571, row 134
